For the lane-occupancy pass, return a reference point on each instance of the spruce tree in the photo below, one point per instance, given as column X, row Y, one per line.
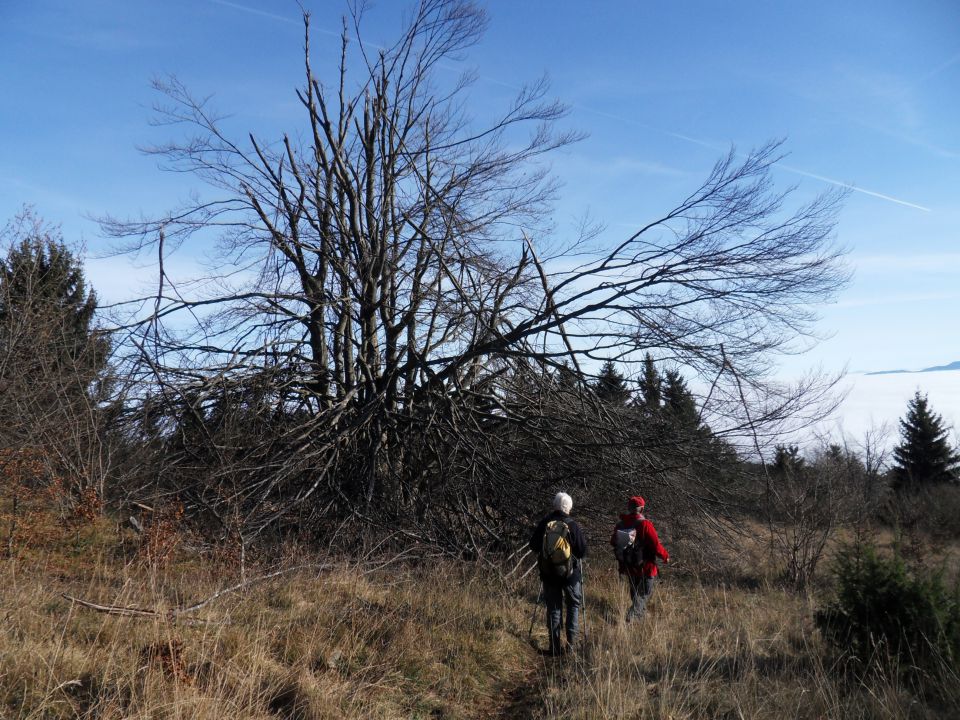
column 610, row 386
column 678, row 401
column 650, row 386
column 924, row 455
column 568, row 378
column 787, row 461
column 52, row 357
column 46, row 309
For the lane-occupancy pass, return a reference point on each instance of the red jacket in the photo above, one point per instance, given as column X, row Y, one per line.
column 647, row 540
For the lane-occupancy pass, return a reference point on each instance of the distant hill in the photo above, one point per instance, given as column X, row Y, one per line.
column 936, row 368
column 952, row 366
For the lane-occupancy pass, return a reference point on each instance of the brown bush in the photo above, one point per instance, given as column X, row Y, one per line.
column 87, row 507
column 170, row 656
column 161, row 533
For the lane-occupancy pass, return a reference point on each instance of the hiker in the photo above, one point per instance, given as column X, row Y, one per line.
column 637, row 547
column 560, row 547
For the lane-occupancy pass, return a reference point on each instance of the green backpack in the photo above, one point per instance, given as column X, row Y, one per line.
column 556, row 555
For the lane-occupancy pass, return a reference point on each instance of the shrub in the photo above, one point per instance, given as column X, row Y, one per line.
column 934, row 511
column 883, row 610
column 161, row 535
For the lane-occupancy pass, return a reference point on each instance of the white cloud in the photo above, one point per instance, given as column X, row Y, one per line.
column 632, row 166
column 908, row 262
column 897, row 299
column 120, row 278
column 876, row 400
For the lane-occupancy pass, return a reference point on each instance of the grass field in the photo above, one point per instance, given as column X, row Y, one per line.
column 412, row 639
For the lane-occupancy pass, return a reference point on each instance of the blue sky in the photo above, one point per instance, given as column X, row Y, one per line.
column 865, row 94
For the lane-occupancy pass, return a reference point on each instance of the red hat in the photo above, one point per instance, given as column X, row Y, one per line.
column 637, row 502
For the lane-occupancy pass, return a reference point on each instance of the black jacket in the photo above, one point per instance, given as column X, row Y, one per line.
column 578, row 544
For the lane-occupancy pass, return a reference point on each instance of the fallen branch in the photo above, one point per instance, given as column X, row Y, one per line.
column 175, row 614
column 529, row 570
column 172, row 615
column 524, row 553
column 112, row 609
column 247, row 583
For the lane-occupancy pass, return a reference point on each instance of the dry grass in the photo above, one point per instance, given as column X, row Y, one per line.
column 434, row 640
column 342, row 644
column 710, row 651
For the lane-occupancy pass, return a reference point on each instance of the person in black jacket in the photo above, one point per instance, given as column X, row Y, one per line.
column 567, row 582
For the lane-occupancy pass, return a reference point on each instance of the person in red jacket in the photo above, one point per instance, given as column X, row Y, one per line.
column 639, row 560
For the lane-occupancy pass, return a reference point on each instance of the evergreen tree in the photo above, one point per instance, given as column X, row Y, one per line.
column 787, row 461
column 568, row 378
column 650, row 386
column 610, row 386
column 53, row 359
column 924, row 455
column 46, row 310
column 678, row 401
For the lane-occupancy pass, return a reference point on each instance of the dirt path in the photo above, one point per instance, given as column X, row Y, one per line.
column 521, row 700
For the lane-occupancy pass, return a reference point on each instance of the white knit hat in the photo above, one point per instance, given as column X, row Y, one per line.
column 563, row 503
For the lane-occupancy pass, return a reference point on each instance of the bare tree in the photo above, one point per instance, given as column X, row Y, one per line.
column 392, row 297
column 812, row 498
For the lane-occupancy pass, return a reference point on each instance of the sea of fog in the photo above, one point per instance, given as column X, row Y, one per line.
column 873, row 401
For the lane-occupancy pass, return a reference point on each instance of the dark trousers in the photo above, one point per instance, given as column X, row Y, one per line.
column 641, row 588
column 554, row 595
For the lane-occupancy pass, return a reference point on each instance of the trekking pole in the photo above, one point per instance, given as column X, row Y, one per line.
column 583, row 610
column 533, row 617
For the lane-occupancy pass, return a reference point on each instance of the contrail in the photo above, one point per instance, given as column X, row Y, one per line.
column 940, row 68
column 631, row 121
column 787, row 168
column 255, row 11
column 854, row 188
column 272, row 16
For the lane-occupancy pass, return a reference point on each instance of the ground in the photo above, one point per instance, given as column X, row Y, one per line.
column 415, row 638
